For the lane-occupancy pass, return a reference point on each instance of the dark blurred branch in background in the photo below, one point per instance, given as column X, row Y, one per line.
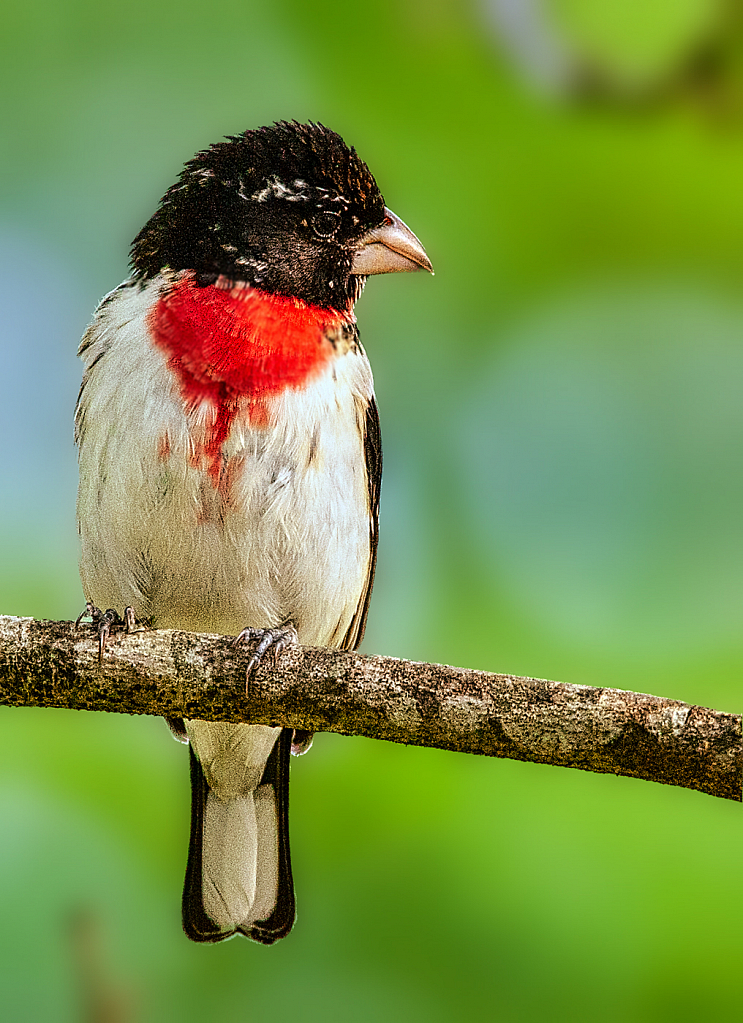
column 180, row 674
column 101, row 999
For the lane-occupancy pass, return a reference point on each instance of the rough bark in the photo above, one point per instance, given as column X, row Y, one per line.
column 179, row 674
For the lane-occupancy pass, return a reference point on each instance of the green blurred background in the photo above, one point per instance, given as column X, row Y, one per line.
column 563, row 497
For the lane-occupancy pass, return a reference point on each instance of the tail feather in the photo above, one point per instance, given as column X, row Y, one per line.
column 276, row 778
column 238, row 877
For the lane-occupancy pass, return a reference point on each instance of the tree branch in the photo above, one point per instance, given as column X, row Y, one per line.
column 181, row 674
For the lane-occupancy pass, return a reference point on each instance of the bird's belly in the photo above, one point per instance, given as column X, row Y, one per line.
column 288, row 544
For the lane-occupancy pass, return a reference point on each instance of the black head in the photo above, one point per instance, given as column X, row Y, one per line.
column 282, row 208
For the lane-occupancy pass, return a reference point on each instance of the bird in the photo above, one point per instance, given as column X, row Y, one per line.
column 230, row 462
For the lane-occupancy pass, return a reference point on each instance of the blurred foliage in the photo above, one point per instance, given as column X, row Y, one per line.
column 637, row 44
column 562, row 424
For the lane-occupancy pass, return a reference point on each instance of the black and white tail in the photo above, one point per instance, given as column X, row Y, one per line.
column 239, row 875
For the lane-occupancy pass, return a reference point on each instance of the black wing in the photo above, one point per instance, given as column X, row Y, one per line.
column 373, row 458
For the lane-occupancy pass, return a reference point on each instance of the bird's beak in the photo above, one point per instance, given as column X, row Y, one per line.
column 391, row 248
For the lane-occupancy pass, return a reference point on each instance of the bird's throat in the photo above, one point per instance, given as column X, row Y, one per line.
column 236, row 348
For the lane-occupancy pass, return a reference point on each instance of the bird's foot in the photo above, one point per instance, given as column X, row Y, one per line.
column 107, row 622
column 273, row 640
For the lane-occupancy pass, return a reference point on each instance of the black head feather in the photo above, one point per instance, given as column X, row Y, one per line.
column 279, row 207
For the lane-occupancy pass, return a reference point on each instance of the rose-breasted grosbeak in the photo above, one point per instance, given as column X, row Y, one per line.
column 230, row 460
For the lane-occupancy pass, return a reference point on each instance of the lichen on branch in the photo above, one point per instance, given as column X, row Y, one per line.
column 181, row 674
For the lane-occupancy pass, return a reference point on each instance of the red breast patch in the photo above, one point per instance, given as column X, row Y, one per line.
column 236, row 347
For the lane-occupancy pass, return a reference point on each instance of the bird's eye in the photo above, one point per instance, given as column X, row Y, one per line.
column 325, row 224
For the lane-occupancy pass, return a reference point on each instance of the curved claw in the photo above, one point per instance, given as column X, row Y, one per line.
column 106, row 621
column 274, row 640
